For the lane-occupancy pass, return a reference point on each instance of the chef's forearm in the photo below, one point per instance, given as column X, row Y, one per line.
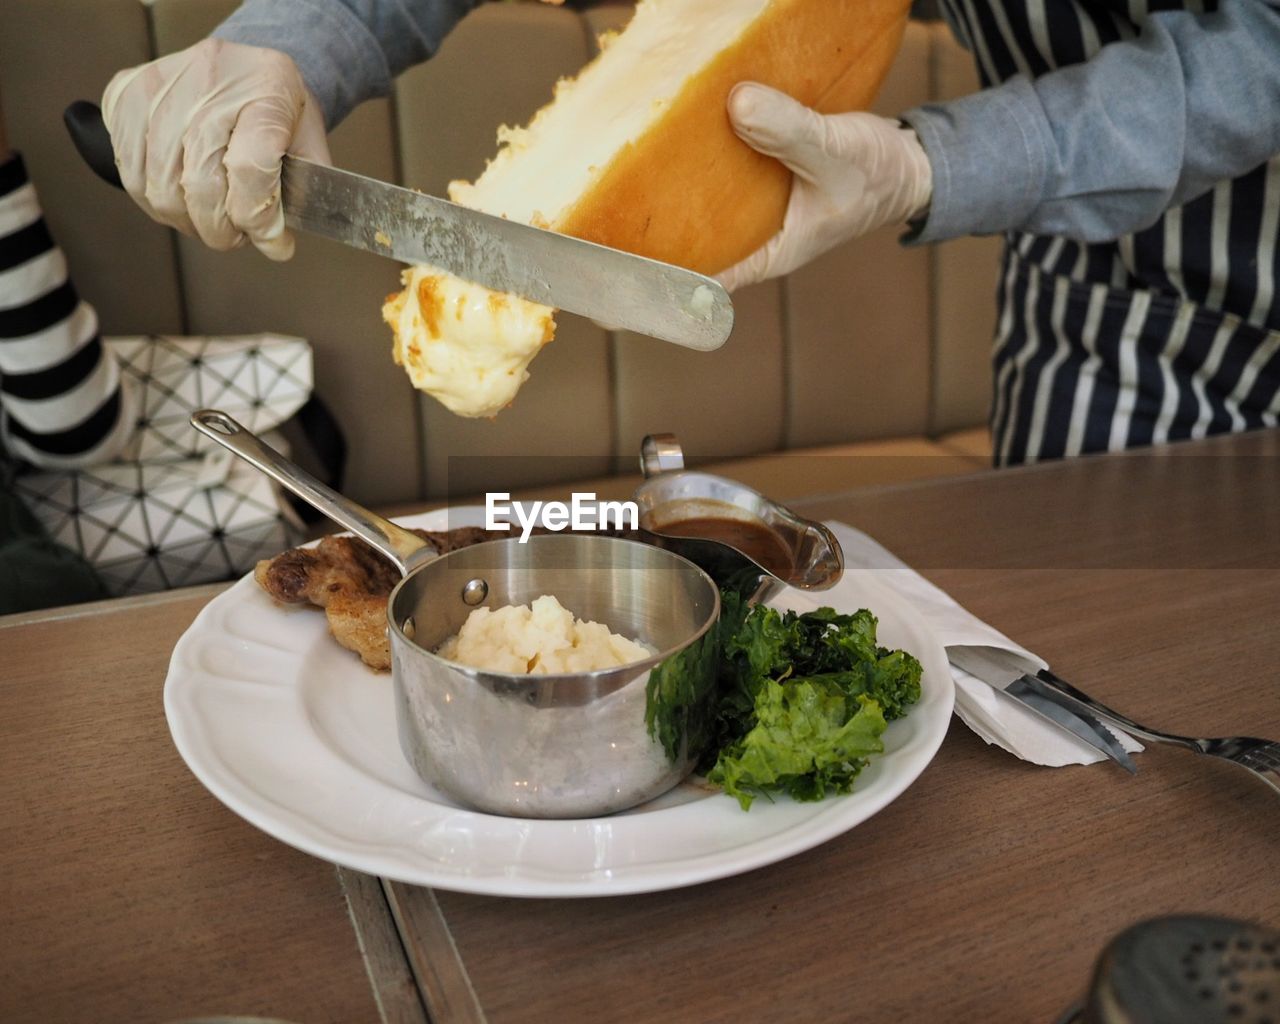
column 347, row 50
column 1102, row 148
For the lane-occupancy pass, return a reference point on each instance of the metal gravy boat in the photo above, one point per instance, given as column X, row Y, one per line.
column 760, row 547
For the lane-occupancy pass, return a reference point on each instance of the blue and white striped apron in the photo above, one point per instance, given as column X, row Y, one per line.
column 1166, row 334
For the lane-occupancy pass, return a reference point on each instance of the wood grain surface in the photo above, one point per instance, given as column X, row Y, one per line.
column 127, row 892
column 987, row 890
column 984, row 893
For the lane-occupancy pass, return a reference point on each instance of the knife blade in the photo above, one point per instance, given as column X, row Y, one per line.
column 608, row 285
column 1005, row 670
column 621, row 289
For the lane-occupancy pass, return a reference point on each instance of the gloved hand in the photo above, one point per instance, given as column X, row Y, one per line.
column 199, row 136
column 853, row 174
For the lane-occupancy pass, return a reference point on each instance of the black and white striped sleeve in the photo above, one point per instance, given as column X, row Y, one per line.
column 62, row 404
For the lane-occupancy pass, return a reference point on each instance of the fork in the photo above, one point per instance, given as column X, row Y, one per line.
column 1261, row 757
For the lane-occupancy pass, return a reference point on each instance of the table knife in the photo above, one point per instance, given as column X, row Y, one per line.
column 1019, row 678
column 618, row 288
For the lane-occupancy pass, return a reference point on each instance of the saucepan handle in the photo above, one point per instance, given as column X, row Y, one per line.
column 406, row 549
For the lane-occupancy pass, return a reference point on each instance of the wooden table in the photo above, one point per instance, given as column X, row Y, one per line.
column 985, row 892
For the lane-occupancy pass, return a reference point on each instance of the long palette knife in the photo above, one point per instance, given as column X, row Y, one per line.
column 610, row 286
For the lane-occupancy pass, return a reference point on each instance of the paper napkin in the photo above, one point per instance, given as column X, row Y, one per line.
column 991, row 713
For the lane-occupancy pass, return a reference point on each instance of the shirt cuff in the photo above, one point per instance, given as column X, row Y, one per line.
column 990, row 154
column 338, row 57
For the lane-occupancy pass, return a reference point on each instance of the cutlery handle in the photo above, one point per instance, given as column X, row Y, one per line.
column 407, row 550
column 92, row 140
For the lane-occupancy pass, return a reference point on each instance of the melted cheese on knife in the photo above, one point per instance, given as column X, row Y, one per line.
column 465, row 345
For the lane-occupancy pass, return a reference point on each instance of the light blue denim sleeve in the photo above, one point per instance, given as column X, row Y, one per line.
column 1101, row 149
column 346, row 50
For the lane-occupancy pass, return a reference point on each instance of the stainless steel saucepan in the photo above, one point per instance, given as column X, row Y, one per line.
column 550, row 746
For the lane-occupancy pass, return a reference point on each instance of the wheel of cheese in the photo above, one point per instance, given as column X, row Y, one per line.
column 636, row 152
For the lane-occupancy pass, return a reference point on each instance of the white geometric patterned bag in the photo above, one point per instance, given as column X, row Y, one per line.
column 176, row 509
column 260, row 379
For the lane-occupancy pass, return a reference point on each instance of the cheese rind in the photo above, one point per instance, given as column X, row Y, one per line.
column 542, row 170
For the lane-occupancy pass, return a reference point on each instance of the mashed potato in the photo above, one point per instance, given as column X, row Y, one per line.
column 542, row 639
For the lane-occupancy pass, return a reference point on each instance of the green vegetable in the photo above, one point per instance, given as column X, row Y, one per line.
column 680, row 699
column 803, row 700
column 780, row 701
column 804, row 743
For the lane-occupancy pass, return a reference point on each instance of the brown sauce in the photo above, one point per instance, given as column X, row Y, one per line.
column 754, row 540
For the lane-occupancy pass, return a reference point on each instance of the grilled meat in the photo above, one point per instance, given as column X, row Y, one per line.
column 351, row 582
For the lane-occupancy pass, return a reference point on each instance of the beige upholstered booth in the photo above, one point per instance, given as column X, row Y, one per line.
column 874, row 359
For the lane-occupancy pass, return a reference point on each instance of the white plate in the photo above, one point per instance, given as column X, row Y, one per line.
column 296, row 736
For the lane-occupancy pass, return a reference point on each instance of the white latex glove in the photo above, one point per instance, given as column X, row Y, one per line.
column 853, row 174
column 199, row 136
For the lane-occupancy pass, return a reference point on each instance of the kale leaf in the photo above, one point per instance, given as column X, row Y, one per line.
column 803, row 699
column 804, row 743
